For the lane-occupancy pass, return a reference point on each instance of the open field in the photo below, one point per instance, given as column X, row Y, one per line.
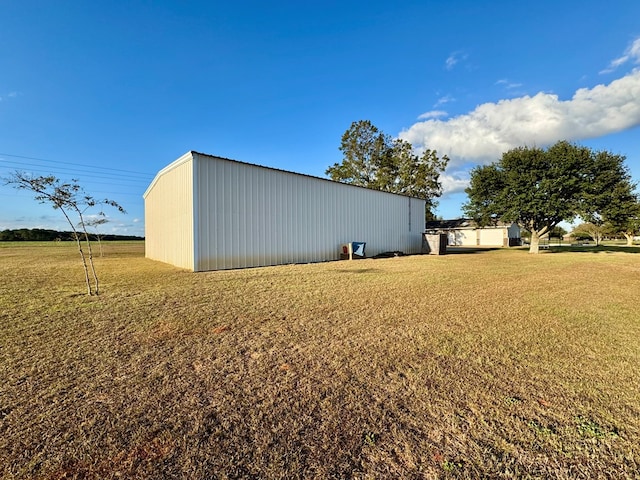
column 488, row 364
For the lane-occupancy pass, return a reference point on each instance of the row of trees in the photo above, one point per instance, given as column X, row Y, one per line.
column 535, row 187
column 539, row 188
column 597, row 233
column 45, row 235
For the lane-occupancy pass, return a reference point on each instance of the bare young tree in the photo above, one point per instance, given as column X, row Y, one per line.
column 71, row 199
column 95, row 223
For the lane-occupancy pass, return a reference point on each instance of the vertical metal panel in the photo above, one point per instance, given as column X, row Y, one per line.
column 248, row 216
column 168, row 206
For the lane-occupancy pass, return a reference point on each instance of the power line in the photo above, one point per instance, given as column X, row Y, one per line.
column 73, row 171
column 125, row 182
column 145, row 174
column 6, row 176
column 130, row 181
column 109, row 194
column 91, row 177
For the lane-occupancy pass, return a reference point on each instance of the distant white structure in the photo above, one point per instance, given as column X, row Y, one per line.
column 465, row 232
column 209, row 213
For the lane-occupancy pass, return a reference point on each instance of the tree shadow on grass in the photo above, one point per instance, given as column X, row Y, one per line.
column 467, row 250
column 551, row 249
column 594, row 249
column 360, row 270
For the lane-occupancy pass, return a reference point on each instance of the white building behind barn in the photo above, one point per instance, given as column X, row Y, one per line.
column 209, row 213
column 465, row 232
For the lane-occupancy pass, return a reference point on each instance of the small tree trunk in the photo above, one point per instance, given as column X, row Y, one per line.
column 88, row 242
column 79, row 244
column 93, row 268
column 84, row 262
column 534, row 245
column 629, row 238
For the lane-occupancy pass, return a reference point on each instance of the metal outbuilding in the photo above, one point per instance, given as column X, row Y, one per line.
column 210, row 213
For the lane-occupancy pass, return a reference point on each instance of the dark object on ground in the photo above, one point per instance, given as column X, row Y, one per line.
column 389, row 254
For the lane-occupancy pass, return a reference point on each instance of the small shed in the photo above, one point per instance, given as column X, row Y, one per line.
column 204, row 212
column 466, row 232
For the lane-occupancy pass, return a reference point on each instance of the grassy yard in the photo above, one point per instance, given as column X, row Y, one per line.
column 488, row 364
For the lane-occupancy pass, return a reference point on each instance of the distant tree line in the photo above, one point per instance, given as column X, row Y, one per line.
column 44, row 235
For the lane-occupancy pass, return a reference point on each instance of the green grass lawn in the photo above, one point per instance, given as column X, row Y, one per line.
column 488, row 363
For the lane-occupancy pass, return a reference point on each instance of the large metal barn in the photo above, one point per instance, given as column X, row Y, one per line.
column 209, row 213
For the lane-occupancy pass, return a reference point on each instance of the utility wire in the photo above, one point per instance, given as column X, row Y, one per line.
column 18, row 165
column 94, row 174
column 145, row 174
column 130, row 182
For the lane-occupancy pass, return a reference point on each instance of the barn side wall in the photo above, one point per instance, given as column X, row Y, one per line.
column 168, row 205
column 249, row 216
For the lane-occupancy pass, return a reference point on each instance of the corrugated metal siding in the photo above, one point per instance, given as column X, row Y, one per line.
column 249, row 216
column 168, row 204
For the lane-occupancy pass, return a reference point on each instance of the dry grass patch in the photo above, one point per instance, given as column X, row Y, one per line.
column 496, row 363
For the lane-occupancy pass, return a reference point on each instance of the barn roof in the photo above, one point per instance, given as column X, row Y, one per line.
column 189, row 155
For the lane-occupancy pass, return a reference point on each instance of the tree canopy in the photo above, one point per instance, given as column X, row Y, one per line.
column 610, row 200
column 591, row 231
column 540, row 188
column 625, row 222
column 375, row 160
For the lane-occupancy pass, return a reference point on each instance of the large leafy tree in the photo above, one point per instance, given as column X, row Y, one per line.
column 540, row 188
column 609, row 199
column 375, row 160
column 591, row 230
column 629, row 222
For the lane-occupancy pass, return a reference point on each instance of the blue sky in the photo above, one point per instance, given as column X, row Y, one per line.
column 111, row 92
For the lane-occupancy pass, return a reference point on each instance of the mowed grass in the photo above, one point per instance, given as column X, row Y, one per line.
column 489, row 364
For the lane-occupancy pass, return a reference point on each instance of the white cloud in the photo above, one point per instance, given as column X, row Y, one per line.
column 44, row 221
column 454, row 182
column 9, row 95
column 444, row 99
column 631, row 54
column 508, row 84
column 432, row 114
column 453, row 59
column 634, row 51
column 482, row 135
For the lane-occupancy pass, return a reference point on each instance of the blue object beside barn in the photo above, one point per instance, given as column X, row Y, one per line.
column 352, row 250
